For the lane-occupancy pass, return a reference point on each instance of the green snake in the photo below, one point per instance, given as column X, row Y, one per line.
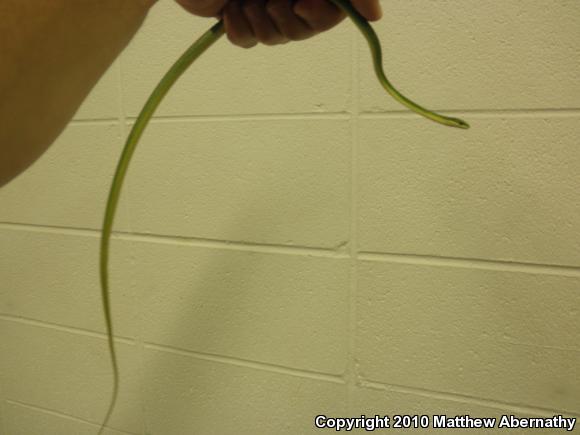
column 178, row 68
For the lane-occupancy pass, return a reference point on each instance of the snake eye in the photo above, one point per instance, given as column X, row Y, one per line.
column 461, row 123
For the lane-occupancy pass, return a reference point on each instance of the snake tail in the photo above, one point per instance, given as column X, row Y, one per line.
column 168, row 80
column 376, row 53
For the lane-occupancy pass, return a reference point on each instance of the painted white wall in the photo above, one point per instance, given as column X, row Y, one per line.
column 291, row 242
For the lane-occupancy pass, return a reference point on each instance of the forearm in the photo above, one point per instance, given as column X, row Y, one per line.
column 52, row 53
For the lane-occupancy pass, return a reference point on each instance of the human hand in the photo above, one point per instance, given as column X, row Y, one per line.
column 272, row 22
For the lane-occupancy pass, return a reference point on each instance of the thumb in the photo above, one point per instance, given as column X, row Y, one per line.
column 203, row 8
column 370, row 9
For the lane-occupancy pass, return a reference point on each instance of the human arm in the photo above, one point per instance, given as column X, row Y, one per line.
column 52, row 53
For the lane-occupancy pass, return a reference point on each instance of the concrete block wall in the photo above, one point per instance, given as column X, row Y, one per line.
column 291, row 242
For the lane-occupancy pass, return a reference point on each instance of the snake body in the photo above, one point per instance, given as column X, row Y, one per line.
column 179, row 67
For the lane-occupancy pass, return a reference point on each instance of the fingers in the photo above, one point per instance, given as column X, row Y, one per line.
column 290, row 25
column 272, row 22
column 370, row 9
column 203, row 8
column 269, row 22
column 264, row 27
column 237, row 26
column 320, row 15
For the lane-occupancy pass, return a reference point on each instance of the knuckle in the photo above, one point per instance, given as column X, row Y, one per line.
column 276, row 8
column 297, row 34
column 274, row 40
column 252, row 8
column 240, row 40
column 245, row 43
column 231, row 12
column 319, row 25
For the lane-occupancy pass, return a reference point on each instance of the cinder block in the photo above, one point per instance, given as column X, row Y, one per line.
column 54, row 278
column 283, row 309
column 68, row 185
column 502, row 191
column 68, row 373
column 189, row 396
column 468, row 55
column 491, row 334
column 24, row 420
column 273, row 182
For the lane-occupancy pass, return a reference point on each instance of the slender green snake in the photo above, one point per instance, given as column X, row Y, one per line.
column 178, row 68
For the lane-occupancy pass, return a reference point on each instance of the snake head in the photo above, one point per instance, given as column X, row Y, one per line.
column 459, row 123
